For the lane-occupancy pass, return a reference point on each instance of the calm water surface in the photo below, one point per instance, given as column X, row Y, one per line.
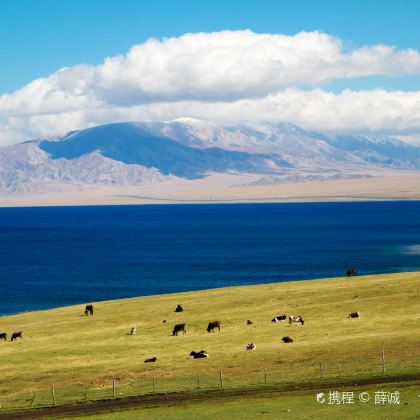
column 56, row 256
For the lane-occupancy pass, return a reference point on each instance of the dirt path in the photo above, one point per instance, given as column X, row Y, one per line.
column 102, row 406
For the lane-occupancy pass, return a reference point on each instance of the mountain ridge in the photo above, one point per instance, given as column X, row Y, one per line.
column 139, row 153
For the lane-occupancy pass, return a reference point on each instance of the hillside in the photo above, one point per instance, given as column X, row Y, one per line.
column 72, row 351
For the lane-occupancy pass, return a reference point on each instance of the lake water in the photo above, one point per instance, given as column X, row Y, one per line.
column 55, row 256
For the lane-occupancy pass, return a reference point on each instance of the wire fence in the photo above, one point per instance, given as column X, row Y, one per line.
column 227, row 378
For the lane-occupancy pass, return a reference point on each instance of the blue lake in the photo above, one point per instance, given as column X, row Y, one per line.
column 55, row 256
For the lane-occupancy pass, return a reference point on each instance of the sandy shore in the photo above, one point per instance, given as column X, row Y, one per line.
column 221, row 188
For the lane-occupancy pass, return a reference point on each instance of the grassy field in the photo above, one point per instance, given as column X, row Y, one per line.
column 295, row 405
column 81, row 355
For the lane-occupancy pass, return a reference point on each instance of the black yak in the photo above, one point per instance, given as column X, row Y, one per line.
column 89, row 310
column 351, row 272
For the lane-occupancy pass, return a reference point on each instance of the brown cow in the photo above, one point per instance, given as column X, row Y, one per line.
column 16, row 335
column 212, row 325
column 287, row 339
column 354, row 315
column 178, row 328
column 89, row 310
column 3, row 336
column 151, row 360
column 249, row 322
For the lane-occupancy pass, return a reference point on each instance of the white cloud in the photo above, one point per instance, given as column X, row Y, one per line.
column 228, row 75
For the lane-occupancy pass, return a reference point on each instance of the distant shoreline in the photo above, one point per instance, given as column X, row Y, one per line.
column 220, row 188
column 163, row 201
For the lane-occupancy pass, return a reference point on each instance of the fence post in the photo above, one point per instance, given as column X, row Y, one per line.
column 221, row 379
column 86, row 392
column 198, row 381
column 53, row 394
column 33, row 399
column 113, row 388
column 383, row 357
column 321, row 369
column 339, row 370
column 265, row 376
column 153, row 382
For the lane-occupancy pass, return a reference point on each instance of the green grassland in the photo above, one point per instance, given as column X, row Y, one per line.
column 81, row 355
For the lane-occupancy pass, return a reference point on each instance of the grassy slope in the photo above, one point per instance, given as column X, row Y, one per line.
column 62, row 347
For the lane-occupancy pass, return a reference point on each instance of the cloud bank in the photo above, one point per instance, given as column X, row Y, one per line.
column 226, row 76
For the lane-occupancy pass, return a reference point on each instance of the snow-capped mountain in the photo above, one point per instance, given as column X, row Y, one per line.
column 294, row 144
column 132, row 154
column 289, row 141
column 380, row 150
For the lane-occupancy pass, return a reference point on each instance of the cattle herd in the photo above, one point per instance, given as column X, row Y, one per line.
column 212, row 326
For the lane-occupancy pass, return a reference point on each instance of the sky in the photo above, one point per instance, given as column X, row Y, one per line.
column 325, row 65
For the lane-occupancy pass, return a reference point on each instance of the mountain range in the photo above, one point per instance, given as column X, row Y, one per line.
column 135, row 154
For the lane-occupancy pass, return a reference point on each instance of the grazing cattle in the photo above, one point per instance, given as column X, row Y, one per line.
column 213, row 325
column 296, row 319
column 89, row 310
column 251, row 346
column 151, row 360
column 133, row 330
column 179, row 308
column 202, row 354
column 287, row 339
column 249, row 322
column 354, row 315
column 164, row 321
column 178, row 328
column 351, row 272
column 279, row 318
column 16, row 335
column 3, row 336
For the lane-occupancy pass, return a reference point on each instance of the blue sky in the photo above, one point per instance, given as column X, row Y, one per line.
column 330, row 66
column 40, row 36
